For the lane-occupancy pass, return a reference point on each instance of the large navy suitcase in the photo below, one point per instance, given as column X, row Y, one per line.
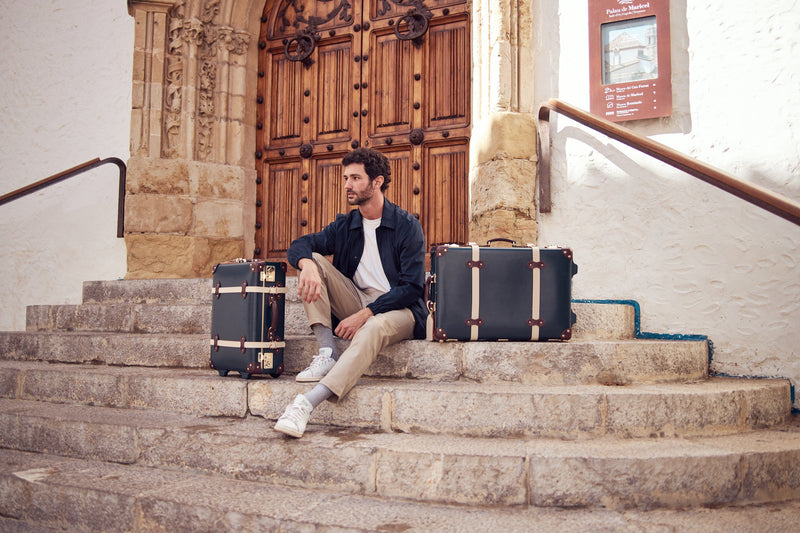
column 516, row 293
column 247, row 317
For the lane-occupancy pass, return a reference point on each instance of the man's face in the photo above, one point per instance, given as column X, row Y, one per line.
column 357, row 184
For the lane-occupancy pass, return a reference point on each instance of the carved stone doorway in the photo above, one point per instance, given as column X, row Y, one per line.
column 334, row 75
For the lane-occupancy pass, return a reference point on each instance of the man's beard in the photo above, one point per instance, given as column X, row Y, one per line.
column 361, row 198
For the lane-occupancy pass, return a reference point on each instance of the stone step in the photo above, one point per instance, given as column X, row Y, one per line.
column 716, row 406
column 141, row 318
column 150, row 291
column 618, row 362
column 595, row 321
column 146, row 306
column 46, row 493
column 120, row 318
column 756, row 466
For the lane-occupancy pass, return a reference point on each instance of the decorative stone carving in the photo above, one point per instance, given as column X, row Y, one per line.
column 208, row 75
column 201, row 40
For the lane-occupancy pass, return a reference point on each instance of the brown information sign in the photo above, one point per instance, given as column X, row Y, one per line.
column 629, row 70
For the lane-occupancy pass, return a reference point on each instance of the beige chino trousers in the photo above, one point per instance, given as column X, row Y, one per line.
column 342, row 298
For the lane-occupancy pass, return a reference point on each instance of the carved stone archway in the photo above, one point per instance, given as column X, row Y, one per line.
column 191, row 177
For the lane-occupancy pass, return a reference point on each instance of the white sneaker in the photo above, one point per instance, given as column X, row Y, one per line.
column 294, row 419
column 319, row 367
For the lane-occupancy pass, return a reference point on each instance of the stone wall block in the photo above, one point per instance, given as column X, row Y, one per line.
column 217, row 250
column 503, row 202
column 237, row 107
column 504, row 135
column 217, row 181
column 217, row 218
column 158, row 256
column 157, row 176
column 505, row 184
column 238, row 76
column 155, row 213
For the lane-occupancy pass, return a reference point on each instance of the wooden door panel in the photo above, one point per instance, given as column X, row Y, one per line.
column 326, row 193
column 391, row 83
column 401, row 188
column 394, row 9
column 335, row 96
column 444, row 216
column 285, row 18
column 280, row 208
column 448, row 69
column 284, row 88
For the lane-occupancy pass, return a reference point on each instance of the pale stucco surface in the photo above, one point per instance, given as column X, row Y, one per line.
column 65, row 99
column 697, row 259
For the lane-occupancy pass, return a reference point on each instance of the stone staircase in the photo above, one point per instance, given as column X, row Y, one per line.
column 111, row 420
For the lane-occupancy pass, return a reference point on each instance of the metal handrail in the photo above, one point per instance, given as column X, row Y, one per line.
column 773, row 202
column 55, row 178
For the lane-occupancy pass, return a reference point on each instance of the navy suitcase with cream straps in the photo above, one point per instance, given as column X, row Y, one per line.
column 516, row 293
column 247, row 317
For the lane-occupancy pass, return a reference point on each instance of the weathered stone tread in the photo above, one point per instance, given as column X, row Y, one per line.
column 719, row 405
column 46, row 493
column 609, row 362
column 754, row 466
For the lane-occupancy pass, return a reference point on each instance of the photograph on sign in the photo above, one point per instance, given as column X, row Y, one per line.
column 629, row 69
column 630, row 50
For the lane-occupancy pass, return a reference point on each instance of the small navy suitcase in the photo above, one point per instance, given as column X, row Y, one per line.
column 247, row 317
column 517, row 293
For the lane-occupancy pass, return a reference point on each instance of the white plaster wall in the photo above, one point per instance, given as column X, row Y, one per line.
column 65, row 98
column 697, row 259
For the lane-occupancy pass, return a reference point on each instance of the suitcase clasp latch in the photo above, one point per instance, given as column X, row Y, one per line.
column 268, row 274
column 265, row 359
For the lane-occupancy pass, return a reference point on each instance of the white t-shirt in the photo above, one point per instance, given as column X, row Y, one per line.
column 370, row 274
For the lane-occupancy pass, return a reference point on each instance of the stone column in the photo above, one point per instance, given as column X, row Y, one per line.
column 503, row 143
column 189, row 203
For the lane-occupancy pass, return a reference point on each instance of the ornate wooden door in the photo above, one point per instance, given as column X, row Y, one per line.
column 337, row 74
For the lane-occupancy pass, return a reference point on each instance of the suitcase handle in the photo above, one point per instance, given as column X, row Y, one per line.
column 428, row 282
column 273, row 305
column 490, row 241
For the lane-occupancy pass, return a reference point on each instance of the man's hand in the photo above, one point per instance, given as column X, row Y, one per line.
column 347, row 328
column 309, row 284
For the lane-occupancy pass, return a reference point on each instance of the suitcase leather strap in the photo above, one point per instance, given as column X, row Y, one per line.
column 216, row 343
column 475, row 265
column 244, row 289
column 536, row 266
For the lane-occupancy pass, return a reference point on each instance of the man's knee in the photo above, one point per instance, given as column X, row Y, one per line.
column 393, row 326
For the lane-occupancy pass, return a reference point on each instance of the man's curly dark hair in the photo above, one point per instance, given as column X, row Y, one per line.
column 375, row 164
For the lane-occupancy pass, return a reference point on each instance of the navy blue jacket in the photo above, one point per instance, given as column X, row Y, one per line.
column 401, row 246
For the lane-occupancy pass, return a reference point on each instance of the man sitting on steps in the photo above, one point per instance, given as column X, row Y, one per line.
column 374, row 286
